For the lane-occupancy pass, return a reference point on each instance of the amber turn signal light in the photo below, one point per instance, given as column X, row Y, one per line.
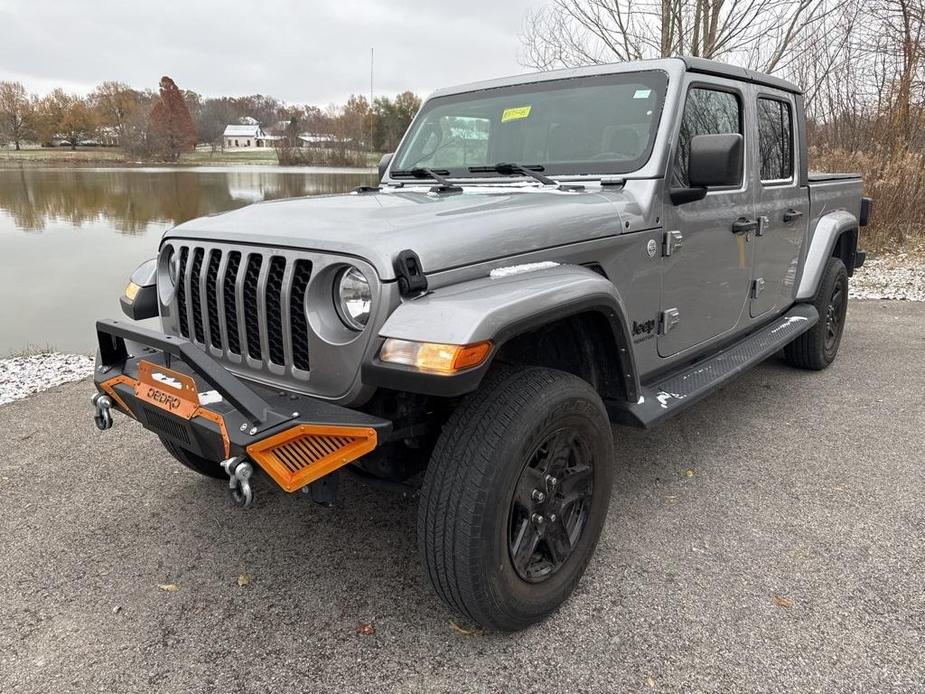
column 131, row 291
column 434, row 357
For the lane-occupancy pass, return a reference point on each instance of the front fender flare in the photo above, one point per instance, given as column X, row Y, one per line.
column 498, row 309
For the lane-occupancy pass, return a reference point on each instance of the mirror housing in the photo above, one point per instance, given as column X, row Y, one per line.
column 715, row 161
column 139, row 300
column 384, row 164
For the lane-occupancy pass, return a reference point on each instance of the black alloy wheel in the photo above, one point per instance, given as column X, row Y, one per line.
column 549, row 509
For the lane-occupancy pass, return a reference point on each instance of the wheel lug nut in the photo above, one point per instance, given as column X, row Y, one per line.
column 551, row 481
column 552, row 517
column 538, row 496
column 537, row 519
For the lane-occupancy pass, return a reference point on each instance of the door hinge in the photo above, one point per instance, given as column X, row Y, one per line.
column 757, row 287
column 669, row 319
column 674, row 241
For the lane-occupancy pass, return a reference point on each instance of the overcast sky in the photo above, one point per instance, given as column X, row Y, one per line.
column 308, row 51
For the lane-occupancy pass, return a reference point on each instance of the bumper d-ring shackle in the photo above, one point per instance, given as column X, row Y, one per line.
column 103, row 416
column 239, row 472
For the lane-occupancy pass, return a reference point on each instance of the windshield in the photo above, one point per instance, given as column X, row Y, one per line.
column 588, row 125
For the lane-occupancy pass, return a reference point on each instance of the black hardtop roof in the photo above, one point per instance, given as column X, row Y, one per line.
column 714, row 67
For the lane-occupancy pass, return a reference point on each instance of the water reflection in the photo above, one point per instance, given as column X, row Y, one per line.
column 132, row 199
column 87, row 229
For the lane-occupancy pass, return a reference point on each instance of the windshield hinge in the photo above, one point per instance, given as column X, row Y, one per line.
column 410, row 274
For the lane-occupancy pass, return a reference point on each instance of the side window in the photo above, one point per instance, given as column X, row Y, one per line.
column 707, row 112
column 775, row 139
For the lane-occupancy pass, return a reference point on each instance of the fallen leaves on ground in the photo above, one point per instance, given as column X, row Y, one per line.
column 465, row 631
column 690, row 472
column 650, row 682
column 366, row 630
column 168, row 587
column 244, row 580
column 783, row 601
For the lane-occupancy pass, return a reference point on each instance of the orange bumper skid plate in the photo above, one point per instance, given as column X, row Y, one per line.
column 306, row 452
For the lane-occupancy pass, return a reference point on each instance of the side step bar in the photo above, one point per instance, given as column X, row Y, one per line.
column 673, row 393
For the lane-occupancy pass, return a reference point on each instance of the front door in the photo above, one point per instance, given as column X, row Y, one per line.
column 706, row 277
column 782, row 205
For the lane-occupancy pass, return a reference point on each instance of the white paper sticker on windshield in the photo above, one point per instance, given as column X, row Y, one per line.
column 642, row 93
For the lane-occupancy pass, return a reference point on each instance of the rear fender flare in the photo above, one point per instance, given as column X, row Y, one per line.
column 499, row 309
column 828, row 229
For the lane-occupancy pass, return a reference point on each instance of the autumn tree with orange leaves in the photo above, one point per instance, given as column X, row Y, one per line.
column 171, row 123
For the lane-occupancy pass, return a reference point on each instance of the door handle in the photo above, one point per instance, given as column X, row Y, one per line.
column 791, row 214
column 743, row 225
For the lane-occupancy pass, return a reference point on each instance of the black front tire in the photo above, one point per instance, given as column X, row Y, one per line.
column 817, row 347
column 196, row 463
column 486, row 467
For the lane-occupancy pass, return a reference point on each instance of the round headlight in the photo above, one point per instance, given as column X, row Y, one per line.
column 354, row 298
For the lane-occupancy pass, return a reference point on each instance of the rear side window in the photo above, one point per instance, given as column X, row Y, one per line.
column 707, row 112
column 775, row 139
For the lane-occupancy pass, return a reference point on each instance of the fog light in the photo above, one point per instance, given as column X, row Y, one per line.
column 434, row 357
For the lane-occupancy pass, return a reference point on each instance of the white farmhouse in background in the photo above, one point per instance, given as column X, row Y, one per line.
column 247, row 134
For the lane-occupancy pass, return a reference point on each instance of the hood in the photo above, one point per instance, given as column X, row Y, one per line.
column 446, row 230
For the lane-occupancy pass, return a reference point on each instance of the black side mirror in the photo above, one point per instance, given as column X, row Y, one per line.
column 715, row 161
column 384, row 164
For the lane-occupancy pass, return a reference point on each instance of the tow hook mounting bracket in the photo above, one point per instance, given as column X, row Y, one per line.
column 323, row 491
column 103, row 416
column 239, row 473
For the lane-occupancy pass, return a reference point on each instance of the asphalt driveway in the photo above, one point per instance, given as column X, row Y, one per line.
column 770, row 539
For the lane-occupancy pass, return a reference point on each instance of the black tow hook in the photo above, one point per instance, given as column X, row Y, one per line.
column 239, row 472
column 103, row 416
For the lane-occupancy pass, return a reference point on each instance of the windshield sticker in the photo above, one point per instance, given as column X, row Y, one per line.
column 516, row 113
column 642, row 93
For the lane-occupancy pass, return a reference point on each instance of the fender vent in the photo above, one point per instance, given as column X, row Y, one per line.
column 306, row 452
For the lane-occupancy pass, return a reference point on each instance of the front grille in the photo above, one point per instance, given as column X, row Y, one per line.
column 239, row 302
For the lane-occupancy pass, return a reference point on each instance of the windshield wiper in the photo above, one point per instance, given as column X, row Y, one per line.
column 424, row 172
column 510, row 168
column 531, row 170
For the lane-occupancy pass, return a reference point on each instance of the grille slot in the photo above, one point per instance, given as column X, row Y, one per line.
column 231, row 302
column 194, row 297
column 251, row 305
column 274, row 309
column 166, row 425
column 243, row 303
column 181, row 293
column 301, row 273
column 215, row 333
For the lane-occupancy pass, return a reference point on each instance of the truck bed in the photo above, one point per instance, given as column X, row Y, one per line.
column 818, row 176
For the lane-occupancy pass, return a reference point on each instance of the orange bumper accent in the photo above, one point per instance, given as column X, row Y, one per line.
column 307, row 452
column 182, row 401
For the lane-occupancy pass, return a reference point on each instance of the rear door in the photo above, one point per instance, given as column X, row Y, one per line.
column 705, row 278
column 782, row 204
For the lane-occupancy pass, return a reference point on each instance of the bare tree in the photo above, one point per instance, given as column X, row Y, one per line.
column 16, row 113
column 117, row 105
column 756, row 33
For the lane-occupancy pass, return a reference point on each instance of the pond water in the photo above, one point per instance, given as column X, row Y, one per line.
column 70, row 237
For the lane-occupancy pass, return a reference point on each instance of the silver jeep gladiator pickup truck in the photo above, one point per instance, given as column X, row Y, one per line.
column 545, row 255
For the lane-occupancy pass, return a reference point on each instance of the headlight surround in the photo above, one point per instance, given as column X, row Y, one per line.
column 353, row 298
column 173, row 266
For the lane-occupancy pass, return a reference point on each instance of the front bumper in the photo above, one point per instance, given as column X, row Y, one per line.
column 176, row 390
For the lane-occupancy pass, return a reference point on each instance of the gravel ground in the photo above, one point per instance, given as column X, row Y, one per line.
column 769, row 539
column 898, row 276
column 23, row 376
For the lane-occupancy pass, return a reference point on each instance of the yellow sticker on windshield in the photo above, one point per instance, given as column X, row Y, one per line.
column 516, row 113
